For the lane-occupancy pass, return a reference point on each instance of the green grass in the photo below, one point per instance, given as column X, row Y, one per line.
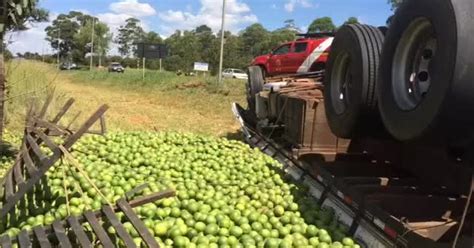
column 25, row 82
column 163, row 101
column 133, row 79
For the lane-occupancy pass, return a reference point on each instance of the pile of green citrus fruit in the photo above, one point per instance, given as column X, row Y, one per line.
column 228, row 195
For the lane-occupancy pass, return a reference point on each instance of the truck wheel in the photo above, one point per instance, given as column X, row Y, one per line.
column 427, row 71
column 350, row 81
column 254, row 86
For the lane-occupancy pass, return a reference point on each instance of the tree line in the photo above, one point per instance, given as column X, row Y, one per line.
column 71, row 36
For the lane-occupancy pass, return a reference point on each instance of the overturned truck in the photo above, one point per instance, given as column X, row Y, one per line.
column 385, row 135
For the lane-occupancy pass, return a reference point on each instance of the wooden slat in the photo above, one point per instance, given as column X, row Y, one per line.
column 46, row 104
column 98, row 229
column 122, row 233
column 41, row 237
column 137, row 223
column 73, row 138
column 52, row 128
column 9, row 185
column 36, row 149
column 17, row 174
column 28, row 162
column 73, row 120
column 63, row 111
column 81, row 236
column 51, row 145
column 47, row 163
column 5, row 241
column 142, row 200
column 103, row 126
column 134, row 191
column 24, row 240
column 60, row 233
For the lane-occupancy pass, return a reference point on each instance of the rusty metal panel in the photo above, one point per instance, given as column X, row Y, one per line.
column 306, row 127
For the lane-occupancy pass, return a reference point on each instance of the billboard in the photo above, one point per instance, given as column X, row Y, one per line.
column 152, row 51
column 201, row 66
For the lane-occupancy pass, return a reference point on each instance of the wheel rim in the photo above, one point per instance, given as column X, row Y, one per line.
column 341, row 81
column 411, row 68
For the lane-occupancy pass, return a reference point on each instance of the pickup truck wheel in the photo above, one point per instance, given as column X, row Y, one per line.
column 427, row 71
column 254, row 85
column 350, row 82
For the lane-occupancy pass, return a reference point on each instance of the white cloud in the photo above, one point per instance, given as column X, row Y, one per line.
column 210, row 14
column 133, row 8
column 31, row 40
column 292, row 4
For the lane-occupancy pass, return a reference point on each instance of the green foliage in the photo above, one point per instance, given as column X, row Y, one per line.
column 323, row 24
column 395, row 3
column 256, row 39
column 152, row 37
column 128, row 35
column 352, row 20
column 71, row 34
column 82, row 39
column 21, row 12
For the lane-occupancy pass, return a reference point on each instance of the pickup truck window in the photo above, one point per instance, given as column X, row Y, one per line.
column 301, row 47
column 282, row 50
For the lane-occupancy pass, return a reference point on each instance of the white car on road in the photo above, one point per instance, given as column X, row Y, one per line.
column 234, row 73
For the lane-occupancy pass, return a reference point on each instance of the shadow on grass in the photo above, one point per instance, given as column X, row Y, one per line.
column 237, row 135
column 7, row 149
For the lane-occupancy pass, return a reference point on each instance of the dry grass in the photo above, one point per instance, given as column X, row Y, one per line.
column 204, row 109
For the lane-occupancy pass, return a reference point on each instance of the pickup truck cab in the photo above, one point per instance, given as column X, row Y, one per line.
column 303, row 55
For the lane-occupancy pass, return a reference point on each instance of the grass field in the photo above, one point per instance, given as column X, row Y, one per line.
column 163, row 101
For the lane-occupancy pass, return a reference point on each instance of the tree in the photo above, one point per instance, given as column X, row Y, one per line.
column 63, row 31
column 323, row 24
column 82, row 40
column 128, row 35
column 280, row 36
column 152, row 37
column 203, row 29
column 395, row 3
column 291, row 26
column 185, row 48
column 16, row 17
column 256, row 39
column 352, row 20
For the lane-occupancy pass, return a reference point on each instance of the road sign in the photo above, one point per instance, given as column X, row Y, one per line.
column 201, row 66
column 152, row 51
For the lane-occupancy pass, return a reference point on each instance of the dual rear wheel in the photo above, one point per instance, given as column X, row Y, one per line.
column 420, row 84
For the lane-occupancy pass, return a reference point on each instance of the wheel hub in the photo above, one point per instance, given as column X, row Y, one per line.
column 411, row 69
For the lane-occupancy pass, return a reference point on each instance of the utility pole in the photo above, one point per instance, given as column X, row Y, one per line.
column 100, row 52
column 59, row 47
column 144, row 68
column 221, row 60
column 92, row 44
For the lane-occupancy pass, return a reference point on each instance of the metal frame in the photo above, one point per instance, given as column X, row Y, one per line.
column 370, row 188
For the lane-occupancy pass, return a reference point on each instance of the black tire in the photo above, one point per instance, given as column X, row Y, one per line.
column 383, row 29
column 254, row 85
column 350, row 82
column 426, row 87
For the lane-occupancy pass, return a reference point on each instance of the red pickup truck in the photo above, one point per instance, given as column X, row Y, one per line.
column 307, row 54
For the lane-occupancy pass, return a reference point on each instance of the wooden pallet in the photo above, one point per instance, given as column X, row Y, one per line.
column 72, row 232
column 32, row 163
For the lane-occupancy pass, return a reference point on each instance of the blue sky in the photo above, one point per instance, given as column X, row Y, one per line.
column 165, row 16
